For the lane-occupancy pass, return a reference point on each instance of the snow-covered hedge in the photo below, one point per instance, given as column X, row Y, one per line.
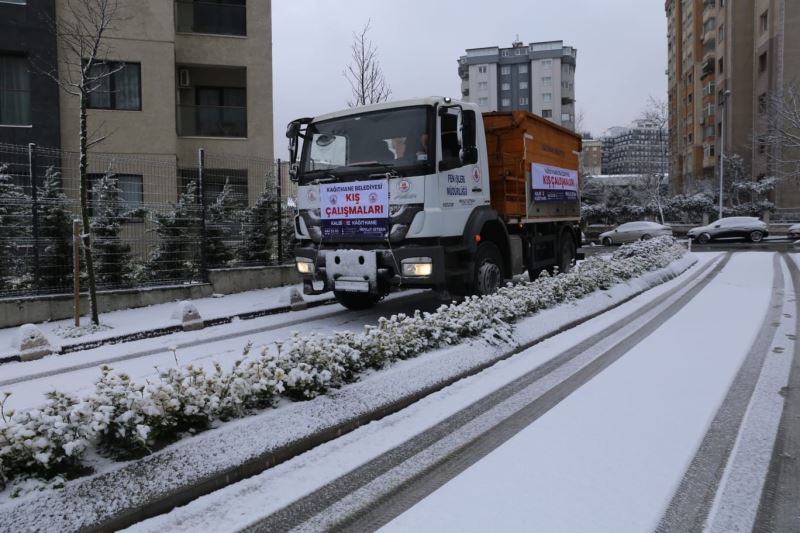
column 124, row 419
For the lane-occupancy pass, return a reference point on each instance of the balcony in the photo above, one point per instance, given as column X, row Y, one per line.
column 212, row 102
column 216, row 17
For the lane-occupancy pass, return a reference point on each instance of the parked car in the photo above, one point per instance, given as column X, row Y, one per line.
column 794, row 232
column 634, row 231
column 749, row 228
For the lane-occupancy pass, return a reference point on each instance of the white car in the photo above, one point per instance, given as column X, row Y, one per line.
column 634, row 231
column 749, row 228
column 794, row 232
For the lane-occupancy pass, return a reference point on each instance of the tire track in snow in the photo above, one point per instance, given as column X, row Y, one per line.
column 691, row 505
column 383, row 488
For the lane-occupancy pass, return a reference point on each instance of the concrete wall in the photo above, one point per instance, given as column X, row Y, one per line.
column 17, row 311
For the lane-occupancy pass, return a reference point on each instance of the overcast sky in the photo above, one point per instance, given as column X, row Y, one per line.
column 622, row 50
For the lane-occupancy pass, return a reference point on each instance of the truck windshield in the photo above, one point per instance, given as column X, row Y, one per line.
column 396, row 139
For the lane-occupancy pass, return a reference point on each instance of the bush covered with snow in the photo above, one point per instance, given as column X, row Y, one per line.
column 124, row 419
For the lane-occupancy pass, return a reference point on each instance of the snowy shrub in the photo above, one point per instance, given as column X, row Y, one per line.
column 125, row 419
column 43, row 443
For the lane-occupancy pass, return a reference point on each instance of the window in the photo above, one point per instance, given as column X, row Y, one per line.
column 523, row 85
column 689, row 98
column 547, row 113
column 483, row 85
column 547, row 80
column 523, row 69
column 505, row 71
column 566, row 117
column 547, row 63
column 218, row 17
column 15, row 91
column 120, row 89
column 505, row 86
column 720, row 66
column 482, row 69
column 523, row 100
column 129, row 185
column 762, row 62
column 762, row 103
column 505, row 102
column 547, row 97
column 483, row 101
column 221, row 111
column 763, row 21
column 721, row 33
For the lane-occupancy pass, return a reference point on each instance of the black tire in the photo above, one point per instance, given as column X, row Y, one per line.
column 755, row 236
column 703, row 238
column 488, row 273
column 566, row 255
column 607, row 241
column 357, row 301
column 646, row 237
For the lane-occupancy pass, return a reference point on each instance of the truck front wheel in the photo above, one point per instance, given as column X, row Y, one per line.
column 488, row 275
column 357, row 301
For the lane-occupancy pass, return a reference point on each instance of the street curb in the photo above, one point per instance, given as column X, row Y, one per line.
column 168, row 330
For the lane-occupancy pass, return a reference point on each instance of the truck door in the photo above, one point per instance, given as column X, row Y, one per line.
column 462, row 186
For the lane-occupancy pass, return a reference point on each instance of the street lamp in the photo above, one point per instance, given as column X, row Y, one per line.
column 725, row 96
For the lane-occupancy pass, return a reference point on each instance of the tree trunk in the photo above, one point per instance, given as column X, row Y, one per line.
column 87, row 238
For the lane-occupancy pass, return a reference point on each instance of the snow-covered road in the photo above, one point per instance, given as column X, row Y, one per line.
column 660, row 414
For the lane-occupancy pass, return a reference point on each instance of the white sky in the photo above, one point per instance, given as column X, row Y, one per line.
column 622, row 50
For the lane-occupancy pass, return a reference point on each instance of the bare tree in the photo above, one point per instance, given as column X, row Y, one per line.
column 81, row 30
column 655, row 181
column 782, row 140
column 364, row 73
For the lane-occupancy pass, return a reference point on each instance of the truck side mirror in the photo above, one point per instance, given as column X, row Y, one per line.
column 293, row 171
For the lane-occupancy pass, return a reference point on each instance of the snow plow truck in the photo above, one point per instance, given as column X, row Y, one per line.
column 431, row 193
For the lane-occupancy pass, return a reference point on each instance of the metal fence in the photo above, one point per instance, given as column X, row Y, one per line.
column 154, row 220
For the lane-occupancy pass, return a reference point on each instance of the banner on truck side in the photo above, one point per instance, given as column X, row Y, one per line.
column 354, row 210
column 553, row 184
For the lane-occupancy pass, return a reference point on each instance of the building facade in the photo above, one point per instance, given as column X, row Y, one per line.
column 537, row 77
column 592, row 157
column 640, row 149
column 187, row 75
column 28, row 98
column 725, row 60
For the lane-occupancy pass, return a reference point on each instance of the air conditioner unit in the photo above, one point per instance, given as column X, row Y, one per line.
column 183, row 78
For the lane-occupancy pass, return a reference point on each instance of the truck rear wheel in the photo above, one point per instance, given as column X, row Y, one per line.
column 357, row 301
column 567, row 255
column 488, row 275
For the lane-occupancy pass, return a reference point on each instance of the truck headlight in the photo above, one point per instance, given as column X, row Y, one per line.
column 417, row 267
column 304, row 265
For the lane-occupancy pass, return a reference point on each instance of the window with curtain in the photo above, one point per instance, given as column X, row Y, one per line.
column 15, row 91
column 221, row 111
column 120, row 90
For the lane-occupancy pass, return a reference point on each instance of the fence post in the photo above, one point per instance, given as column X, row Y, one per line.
column 201, row 159
column 76, row 270
column 280, row 216
column 34, row 213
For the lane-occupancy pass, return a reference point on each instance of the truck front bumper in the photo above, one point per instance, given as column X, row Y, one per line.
column 353, row 264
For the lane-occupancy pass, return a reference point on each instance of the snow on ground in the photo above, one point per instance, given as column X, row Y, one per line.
column 224, row 344
column 235, row 442
column 610, row 456
column 240, row 504
column 160, row 315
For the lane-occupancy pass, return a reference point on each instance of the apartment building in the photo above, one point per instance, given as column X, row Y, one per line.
column 28, row 99
column 537, row 77
column 725, row 58
column 186, row 75
column 639, row 149
column 591, row 157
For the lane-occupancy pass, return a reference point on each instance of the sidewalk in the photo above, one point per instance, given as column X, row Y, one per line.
column 146, row 321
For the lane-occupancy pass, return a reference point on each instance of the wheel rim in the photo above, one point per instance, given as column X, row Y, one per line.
column 645, row 237
column 756, row 236
column 489, row 276
column 607, row 241
column 702, row 239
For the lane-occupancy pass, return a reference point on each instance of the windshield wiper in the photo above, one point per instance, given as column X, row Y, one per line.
column 369, row 164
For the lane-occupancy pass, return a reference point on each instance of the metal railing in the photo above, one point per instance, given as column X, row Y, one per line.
column 212, row 121
column 148, row 224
